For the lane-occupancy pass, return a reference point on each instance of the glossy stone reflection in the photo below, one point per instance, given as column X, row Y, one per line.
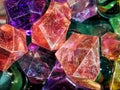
column 80, row 59
column 115, row 22
column 23, row 13
column 12, row 45
column 115, row 83
column 108, row 8
column 82, row 9
column 50, row 30
column 110, row 46
column 37, row 63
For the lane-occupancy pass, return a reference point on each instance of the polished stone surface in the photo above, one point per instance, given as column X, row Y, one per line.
column 115, row 83
column 108, row 8
column 12, row 45
column 82, row 9
column 53, row 34
column 115, row 22
column 37, row 63
column 80, row 59
column 23, row 13
column 110, row 46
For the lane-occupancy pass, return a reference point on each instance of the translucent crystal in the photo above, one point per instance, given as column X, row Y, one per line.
column 79, row 56
column 37, row 63
column 12, row 45
column 50, row 30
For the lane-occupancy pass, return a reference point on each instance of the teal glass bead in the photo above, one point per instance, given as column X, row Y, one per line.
column 13, row 79
column 106, row 68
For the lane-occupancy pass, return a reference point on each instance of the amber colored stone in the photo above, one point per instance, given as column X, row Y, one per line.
column 110, row 46
column 12, row 45
column 50, row 30
column 79, row 56
column 86, row 83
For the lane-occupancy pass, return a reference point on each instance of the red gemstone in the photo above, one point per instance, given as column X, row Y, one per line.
column 12, row 45
column 50, row 30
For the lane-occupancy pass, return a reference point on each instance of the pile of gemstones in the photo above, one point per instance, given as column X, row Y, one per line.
column 60, row 45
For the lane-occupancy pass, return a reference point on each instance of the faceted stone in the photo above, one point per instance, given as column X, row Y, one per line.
column 82, row 9
column 115, row 83
column 23, row 13
column 81, row 57
column 37, row 63
column 108, row 8
column 12, row 45
column 106, row 68
column 50, row 30
column 91, row 85
column 59, row 81
column 115, row 22
column 110, row 46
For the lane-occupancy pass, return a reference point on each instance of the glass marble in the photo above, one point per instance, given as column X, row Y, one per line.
column 108, row 8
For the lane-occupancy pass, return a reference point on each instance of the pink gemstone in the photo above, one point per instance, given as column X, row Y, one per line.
column 50, row 30
column 110, row 46
column 12, row 45
column 79, row 56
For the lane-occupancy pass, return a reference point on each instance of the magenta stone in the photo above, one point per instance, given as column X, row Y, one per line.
column 23, row 13
column 37, row 63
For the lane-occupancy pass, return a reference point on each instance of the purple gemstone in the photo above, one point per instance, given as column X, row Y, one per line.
column 23, row 13
column 37, row 63
column 82, row 9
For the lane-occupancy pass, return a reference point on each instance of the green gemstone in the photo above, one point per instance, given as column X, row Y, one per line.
column 115, row 22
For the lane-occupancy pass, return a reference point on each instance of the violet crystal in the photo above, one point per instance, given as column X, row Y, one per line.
column 82, row 9
column 23, row 13
column 37, row 63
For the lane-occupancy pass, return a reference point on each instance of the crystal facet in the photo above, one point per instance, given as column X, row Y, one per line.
column 12, row 45
column 81, row 56
column 115, row 22
column 110, row 46
column 50, row 30
column 22, row 13
column 82, row 9
column 37, row 63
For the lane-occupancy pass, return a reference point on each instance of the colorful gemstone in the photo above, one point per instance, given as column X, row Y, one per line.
column 108, row 8
column 37, row 63
column 82, row 9
column 110, row 46
column 80, row 59
column 115, row 22
column 53, row 34
column 23, row 13
column 12, row 45
column 106, row 68
column 115, row 83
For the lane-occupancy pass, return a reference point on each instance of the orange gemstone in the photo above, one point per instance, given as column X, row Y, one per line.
column 12, row 45
column 50, row 30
